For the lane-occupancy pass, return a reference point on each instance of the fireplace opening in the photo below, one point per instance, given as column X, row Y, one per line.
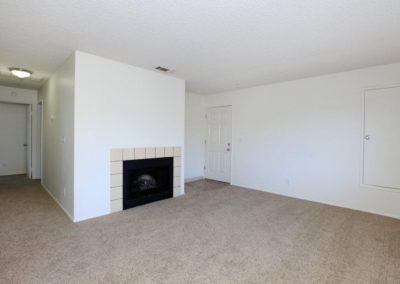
column 146, row 181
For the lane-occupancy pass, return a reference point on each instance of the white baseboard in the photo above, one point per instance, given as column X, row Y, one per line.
column 193, row 179
column 59, row 204
column 320, row 202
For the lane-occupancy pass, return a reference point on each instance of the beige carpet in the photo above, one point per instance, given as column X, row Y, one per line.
column 213, row 234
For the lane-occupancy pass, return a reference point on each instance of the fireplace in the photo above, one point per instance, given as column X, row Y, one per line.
column 146, row 169
column 147, row 180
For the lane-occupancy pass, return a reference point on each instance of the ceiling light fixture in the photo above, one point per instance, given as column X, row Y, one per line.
column 20, row 73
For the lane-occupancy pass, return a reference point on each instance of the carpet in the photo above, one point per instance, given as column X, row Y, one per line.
column 215, row 233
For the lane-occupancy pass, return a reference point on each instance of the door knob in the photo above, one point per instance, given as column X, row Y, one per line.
column 367, row 137
column 228, row 149
column 25, row 145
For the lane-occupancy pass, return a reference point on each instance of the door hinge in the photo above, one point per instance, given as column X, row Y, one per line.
column 205, row 141
column 205, row 115
column 204, row 167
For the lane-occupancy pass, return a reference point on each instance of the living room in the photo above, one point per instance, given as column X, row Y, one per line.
column 200, row 142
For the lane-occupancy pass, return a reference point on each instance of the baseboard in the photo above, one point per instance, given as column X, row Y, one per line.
column 59, row 204
column 193, row 179
column 4, row 175
column 321, row 202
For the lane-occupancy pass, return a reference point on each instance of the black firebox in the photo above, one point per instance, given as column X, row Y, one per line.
column 147, row 181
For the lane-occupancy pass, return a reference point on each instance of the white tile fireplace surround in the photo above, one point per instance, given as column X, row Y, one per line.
column 118, row 156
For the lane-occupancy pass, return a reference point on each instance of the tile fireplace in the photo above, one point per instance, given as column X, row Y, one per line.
column 143, row 175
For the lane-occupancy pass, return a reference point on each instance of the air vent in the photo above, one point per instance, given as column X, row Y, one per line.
column 163, row 69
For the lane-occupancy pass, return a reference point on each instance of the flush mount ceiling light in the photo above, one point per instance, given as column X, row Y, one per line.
column 20, row 73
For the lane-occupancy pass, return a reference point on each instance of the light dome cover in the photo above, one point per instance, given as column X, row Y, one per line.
column 20, row 73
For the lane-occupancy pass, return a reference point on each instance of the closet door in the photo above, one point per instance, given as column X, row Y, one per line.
column 382, row 138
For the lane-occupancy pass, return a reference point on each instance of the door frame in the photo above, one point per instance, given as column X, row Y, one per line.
column 362, row 135
column 205, row 138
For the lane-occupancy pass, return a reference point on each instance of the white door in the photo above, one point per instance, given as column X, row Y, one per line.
column 219, row 144
column 28, row 143
column 13, row 139
column 40, row 139
column 382, row 138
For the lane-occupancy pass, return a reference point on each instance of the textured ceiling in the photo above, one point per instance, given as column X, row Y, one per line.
column 214, row 45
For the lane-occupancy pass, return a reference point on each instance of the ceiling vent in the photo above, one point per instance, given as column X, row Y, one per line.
column 163, row 69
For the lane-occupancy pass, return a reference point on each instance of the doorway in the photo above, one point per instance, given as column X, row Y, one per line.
column 219, row 144
column 15, row 142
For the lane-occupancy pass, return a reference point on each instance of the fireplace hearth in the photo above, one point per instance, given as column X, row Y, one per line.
column 146, row 181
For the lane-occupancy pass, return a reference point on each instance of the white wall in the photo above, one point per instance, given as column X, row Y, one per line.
column 195, row 130
column 119, row 106
column 303, row 138
column 26, row 97
column 57, row 95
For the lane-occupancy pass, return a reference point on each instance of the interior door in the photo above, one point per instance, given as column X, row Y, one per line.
column 28, row 143
column 13, row 138
column 382, row 137
column 40, row 139
column 218, row 144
